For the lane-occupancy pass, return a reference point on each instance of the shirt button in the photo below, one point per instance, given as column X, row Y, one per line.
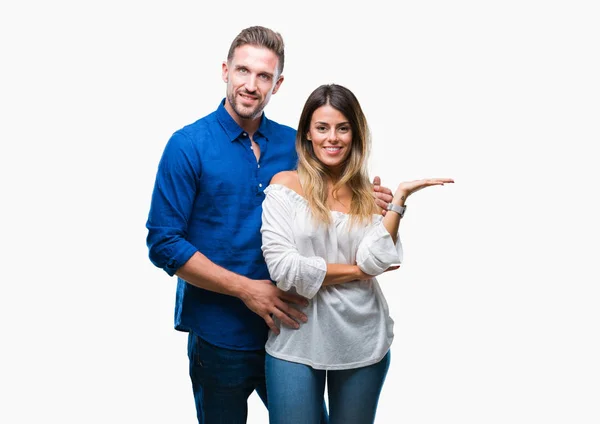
column 245, row 134
column 259, row 165
column 260, row 185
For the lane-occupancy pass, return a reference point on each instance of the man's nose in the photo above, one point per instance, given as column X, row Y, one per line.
column 251, row 83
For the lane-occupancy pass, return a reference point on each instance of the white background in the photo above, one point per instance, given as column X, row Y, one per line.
column 497, row 305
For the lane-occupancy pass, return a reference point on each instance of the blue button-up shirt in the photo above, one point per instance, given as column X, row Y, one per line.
column 208, row 197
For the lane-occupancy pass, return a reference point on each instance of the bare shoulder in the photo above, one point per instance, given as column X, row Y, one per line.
column 288, row 179
column 285, row 178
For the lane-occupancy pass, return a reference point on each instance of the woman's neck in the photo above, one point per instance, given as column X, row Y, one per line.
column 340, row 199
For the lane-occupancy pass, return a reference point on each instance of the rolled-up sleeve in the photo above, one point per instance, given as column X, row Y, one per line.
column 377, row 251
column 171, row 205
column 287, row 267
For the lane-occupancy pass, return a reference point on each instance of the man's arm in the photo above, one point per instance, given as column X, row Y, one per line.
column 260, row 296
column 172, row 202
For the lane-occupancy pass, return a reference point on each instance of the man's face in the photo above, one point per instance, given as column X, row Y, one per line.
column 251, row 78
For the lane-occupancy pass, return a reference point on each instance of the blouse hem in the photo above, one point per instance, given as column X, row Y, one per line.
column 330, row 367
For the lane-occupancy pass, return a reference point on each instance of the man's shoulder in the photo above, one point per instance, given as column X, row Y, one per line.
column 200, row 124
column 282, row 129
column 196, row 131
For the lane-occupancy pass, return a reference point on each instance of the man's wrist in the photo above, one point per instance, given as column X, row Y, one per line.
column 239, row 289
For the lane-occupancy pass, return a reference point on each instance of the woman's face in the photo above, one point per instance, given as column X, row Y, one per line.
column 331, row 136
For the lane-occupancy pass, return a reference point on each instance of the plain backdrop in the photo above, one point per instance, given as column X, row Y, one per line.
column 496, row 307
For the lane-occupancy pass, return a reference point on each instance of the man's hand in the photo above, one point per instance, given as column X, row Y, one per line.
column 268, row 301
column 383, row 195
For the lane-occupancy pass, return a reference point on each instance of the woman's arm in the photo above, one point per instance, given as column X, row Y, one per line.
column 286, row 265
column 343, row 273
column 391, row 221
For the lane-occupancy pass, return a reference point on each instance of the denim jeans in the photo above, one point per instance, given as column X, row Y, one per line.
column 223, row 380
column 296, row 392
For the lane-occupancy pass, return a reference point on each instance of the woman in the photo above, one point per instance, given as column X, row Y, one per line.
column 324, row 239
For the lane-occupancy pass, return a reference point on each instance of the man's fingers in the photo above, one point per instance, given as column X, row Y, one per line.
column 292, row 312
column 284, row 306
column 293, row 298
column 381, row 190
column 384, row 196
column 381, row 203
column 376, row 181
column 271, row 324
column 285, row 319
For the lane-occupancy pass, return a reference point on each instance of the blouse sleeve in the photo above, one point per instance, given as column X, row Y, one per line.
column 287, row 267
column 377, row 251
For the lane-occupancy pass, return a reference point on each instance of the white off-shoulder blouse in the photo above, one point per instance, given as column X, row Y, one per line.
column 349, row 325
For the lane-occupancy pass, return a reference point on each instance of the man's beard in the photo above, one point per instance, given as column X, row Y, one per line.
column 243, row 112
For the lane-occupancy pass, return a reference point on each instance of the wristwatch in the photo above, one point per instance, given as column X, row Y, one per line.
column 398, row 209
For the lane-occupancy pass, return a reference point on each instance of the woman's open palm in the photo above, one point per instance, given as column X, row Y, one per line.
column 407, row 188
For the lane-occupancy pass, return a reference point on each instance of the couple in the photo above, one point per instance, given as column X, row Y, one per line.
column 240, row 202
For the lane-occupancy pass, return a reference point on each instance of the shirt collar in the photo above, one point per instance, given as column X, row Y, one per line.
column 233, row 130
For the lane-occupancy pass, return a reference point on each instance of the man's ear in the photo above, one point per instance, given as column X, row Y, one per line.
column 225, row 72
column 278, row 84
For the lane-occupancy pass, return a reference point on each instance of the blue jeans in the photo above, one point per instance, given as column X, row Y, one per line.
column 296, row 392
column 223, row 380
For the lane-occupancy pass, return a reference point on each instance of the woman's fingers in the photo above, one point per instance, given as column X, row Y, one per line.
column 411, row 187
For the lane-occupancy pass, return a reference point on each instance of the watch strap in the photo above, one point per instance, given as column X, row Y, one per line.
column 398, row 209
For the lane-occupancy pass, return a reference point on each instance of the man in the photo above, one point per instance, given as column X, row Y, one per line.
column 204, row 226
